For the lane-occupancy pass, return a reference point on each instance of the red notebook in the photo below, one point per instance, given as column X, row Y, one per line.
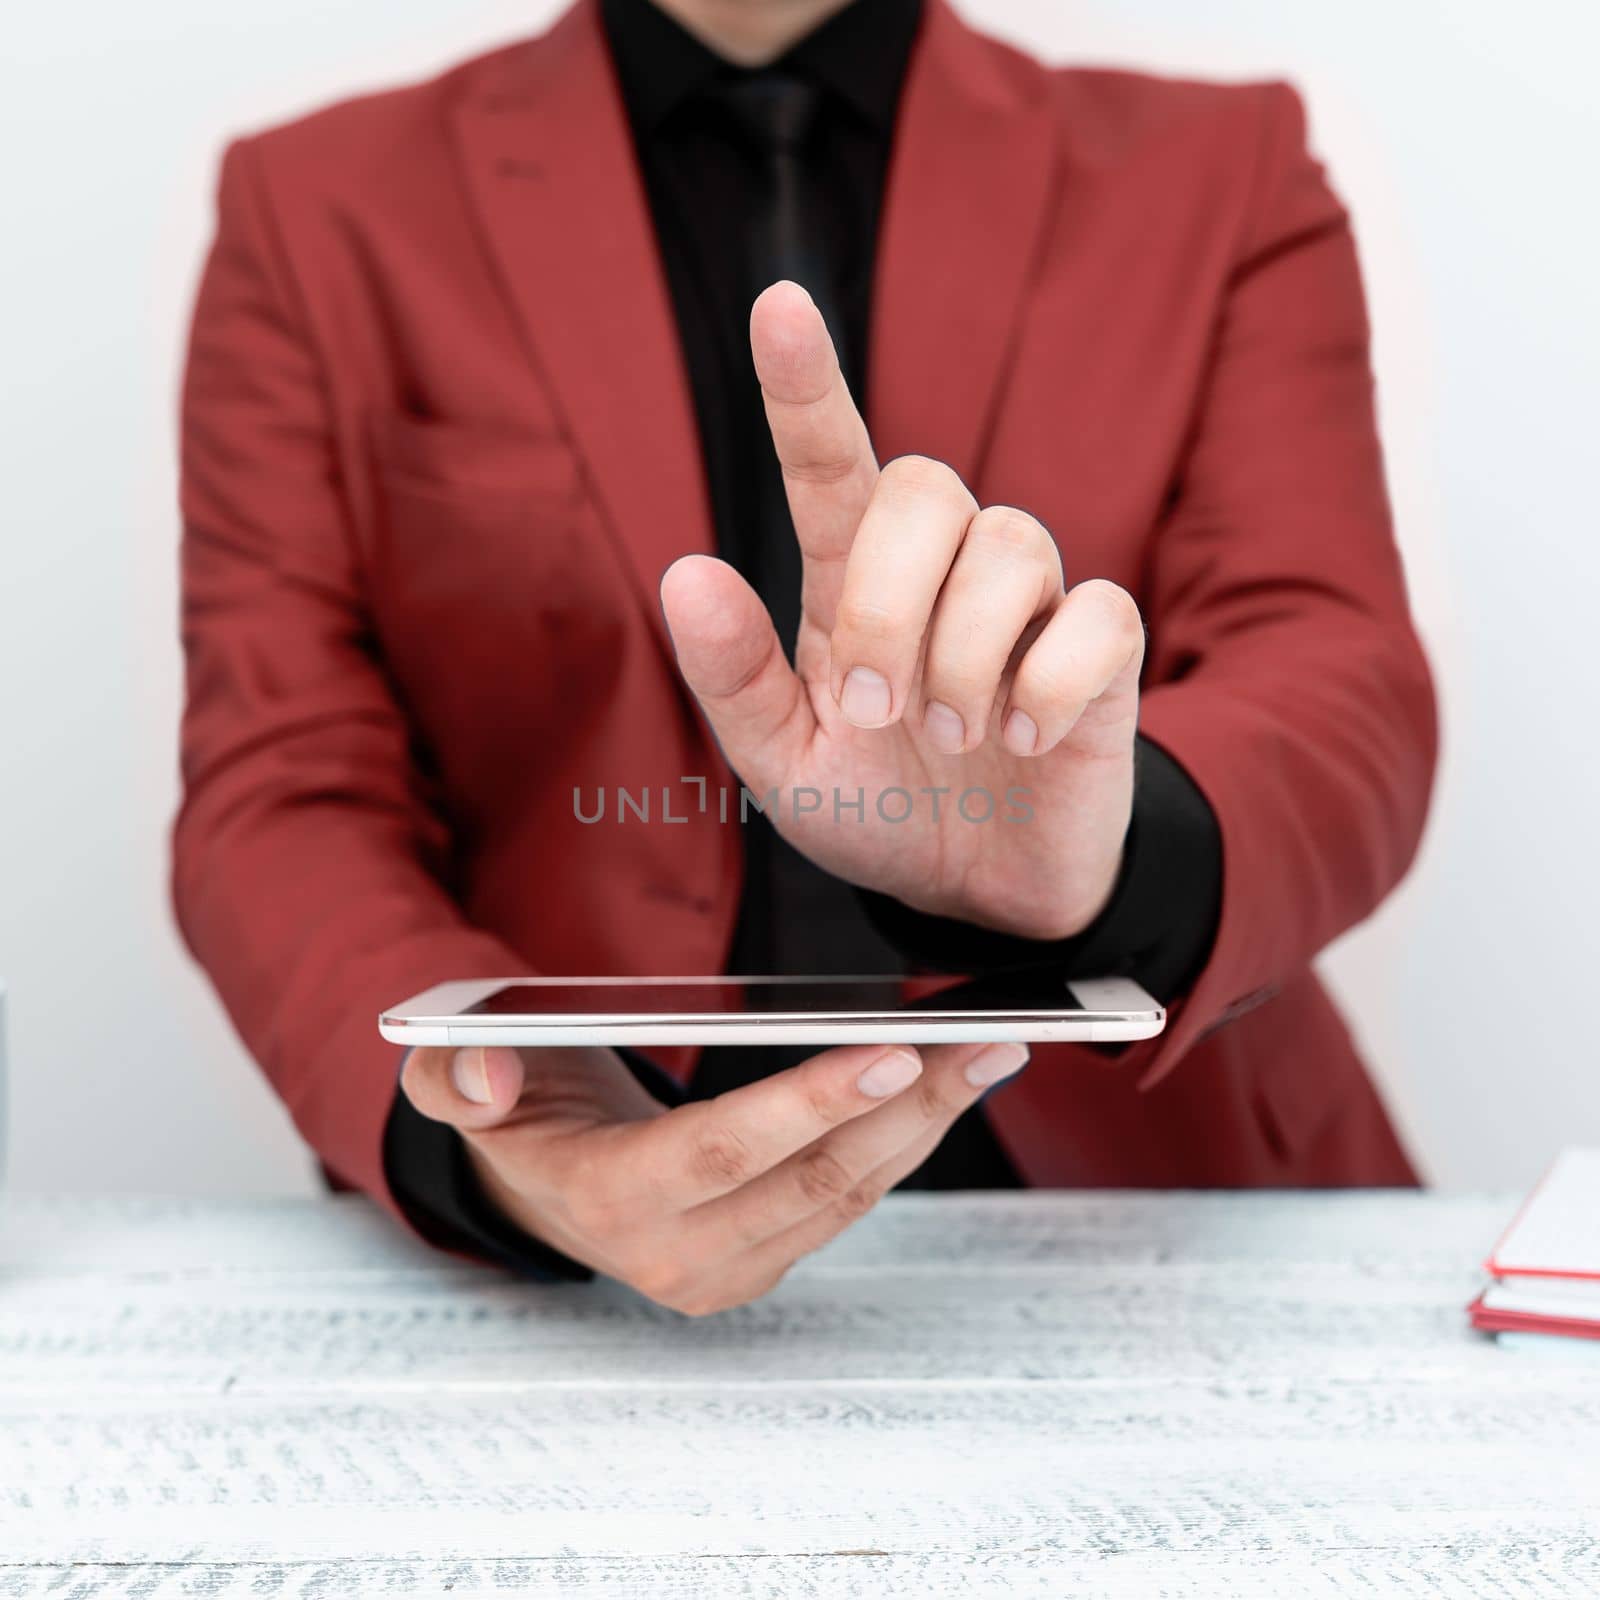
column 1547, row 1263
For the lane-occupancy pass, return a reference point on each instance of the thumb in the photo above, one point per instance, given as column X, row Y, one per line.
column 471, row 1088
column 729, row 655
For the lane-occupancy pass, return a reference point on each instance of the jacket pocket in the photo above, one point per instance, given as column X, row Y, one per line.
column 446, row 459
column 489, row 574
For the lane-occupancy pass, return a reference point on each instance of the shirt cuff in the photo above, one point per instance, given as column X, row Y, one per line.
column 1158, row 926
column 432, row 1179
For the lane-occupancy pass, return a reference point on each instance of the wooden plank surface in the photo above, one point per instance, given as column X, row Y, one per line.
column 990, row 1395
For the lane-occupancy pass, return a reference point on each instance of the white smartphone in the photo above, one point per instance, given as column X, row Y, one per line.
column 811, row 1011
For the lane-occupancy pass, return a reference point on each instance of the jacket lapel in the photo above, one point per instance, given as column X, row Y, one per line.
column 970, row 185
column 550, row 166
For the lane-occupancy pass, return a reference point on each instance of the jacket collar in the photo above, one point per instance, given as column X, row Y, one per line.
column 550, row 168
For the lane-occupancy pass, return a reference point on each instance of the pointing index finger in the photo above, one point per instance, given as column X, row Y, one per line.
column 829, row 469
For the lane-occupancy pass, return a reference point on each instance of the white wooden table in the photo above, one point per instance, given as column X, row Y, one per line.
column 1001, row 1395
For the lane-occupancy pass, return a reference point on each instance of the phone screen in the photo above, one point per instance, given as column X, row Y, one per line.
column 720, row 997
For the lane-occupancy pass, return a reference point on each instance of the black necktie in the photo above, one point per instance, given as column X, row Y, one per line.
column 797, row 918
column 773, row 115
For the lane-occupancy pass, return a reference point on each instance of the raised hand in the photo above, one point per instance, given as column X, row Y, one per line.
column 940, row 656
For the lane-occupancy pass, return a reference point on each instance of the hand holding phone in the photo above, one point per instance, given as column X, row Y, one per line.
column 707, row 1205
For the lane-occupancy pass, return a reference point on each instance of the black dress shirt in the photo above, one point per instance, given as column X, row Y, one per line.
column 701, row 182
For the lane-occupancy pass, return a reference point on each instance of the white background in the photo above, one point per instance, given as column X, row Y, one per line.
column 1463, row 133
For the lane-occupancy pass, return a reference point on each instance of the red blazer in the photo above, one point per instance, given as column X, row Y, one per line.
column 438, row 447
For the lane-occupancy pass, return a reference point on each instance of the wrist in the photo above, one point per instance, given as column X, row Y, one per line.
column 1025, row 897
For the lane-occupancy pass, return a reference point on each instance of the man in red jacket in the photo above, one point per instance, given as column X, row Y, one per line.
column 524, row 459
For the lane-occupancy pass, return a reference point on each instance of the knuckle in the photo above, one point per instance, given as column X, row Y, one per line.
column 1010, row 531
column 1042, row 687
column 1115, row 604
column 858, row 1200
column 821, row 1177
column 722, row 1157
column 959, row 672
column 937, row 1096
column 768, row 1283
column 591, row 1215
column 598, row 1207
column 668, row 1282
column 923, row 477
column 820, row 462
column 868, row 619
column 698, row 1306
column 824, row 1102
column 712, row 1302
column 675, row 1287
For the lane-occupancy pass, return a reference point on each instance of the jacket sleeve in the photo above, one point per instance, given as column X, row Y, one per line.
column 1285, row 676
column 310, row 861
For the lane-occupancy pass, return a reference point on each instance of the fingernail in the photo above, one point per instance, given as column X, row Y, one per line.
column 469, row 1071
column 1021, row 734
column 889, row 1074
column 945, row 727
column 997, row 1062
column 865, row 698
